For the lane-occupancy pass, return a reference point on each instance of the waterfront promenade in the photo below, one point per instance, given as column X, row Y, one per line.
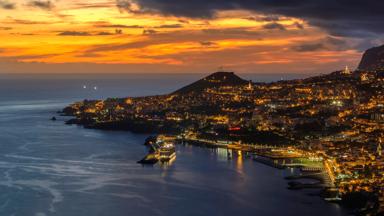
column 278, row 157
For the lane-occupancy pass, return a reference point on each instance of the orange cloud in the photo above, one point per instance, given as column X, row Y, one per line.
column 96, row 32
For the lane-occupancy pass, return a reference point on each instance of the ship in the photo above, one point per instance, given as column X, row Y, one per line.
column 167, row 152
column 150, row 158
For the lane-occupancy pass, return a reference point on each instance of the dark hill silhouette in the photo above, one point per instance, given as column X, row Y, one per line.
column 214, row 80
column 373, row 60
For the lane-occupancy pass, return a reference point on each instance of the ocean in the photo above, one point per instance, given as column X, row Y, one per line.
column 50, row 168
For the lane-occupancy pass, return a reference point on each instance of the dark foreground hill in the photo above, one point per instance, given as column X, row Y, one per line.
column 373, row 60
column 214, row 80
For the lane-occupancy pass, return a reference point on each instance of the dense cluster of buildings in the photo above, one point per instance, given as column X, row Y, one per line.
column 339, row 116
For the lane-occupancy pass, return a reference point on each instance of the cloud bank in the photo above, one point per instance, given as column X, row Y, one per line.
column 354, row 18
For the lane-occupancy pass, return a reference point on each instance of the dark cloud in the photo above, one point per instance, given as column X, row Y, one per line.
column 80, row 33
column 362, row 46
column 27, row 22
column 170, row 26
column 107, row 25
column 45, row 5
column 183, row 21
column 309, row 47
column 74, row 33
column 274, row 25
column 105, row 33
column 298, row 25
column 127, row 5
column 5, row 28
column 118, row 31
column 149, row 32
column 266, row 18
column 24, row 34
column 83, row 5
column 207, row 43
column 355, row 18
column 328, row 43
column 7, row 5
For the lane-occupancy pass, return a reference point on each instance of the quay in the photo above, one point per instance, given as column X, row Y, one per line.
column 264, row 150
column 277, row 157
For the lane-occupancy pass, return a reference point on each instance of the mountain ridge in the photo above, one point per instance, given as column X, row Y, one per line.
column 372, row 59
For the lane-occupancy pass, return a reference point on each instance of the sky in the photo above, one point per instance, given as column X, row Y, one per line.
column 186, row 36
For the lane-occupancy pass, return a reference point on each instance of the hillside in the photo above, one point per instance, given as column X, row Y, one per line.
column 214, row 80
column 373, row 60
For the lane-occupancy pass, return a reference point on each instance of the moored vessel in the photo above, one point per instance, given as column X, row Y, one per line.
column 167, row 152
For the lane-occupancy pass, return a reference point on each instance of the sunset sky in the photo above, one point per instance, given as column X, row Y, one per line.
column 185, row 36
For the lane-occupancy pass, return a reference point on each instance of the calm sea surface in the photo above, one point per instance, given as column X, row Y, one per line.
column 49, row 168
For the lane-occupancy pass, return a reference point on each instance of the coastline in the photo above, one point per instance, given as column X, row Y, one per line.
column 262, row 154
column 257, row 153
column 224, row 111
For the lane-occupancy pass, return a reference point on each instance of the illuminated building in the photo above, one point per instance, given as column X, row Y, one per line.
column 347, row 70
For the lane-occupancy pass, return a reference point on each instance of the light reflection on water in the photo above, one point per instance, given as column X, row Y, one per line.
column 239, row 163
column 221, row 154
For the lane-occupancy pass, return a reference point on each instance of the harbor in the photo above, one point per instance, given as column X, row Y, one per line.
column 311, row 172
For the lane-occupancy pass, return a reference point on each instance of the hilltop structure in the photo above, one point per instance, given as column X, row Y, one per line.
column 347, row 70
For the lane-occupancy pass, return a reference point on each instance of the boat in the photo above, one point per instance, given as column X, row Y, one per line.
column 167, row 152
column 150, row 158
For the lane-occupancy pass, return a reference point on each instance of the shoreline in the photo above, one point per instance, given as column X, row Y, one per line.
column 327, row 193
column 279, row 161
column 257, row 151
